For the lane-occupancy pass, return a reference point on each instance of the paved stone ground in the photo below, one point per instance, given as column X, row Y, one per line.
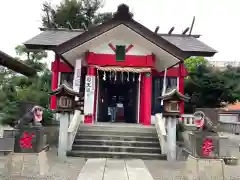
column 163, row 170
column 114, row 169
column 160, row 170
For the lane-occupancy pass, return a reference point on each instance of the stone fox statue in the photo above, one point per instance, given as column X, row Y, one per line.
column 203, row 123
column 208, row 125
column 33, row 117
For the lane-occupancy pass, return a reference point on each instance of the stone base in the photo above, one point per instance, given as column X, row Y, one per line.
column 197, row 142
column 26, row 164
column 198, row 168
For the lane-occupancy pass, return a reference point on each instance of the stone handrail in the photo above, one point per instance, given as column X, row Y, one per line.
column 230, row 127
column 2, row 128
column 161, row 131
column 188, row 119
column 73, row 128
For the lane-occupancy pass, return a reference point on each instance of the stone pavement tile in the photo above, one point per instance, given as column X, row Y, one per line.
column 59, row 170
column 232, row 172
column 93, row 170
column 137, row 170
column 115, row 170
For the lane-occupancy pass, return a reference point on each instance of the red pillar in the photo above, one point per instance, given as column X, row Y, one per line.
column 146, row 98
column 141, row 99
column 181, row 85
column 55, row 73
column 88, row 119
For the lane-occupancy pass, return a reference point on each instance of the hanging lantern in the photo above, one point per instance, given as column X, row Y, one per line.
column 128, row 77
column 110, row 78
column 139, row 77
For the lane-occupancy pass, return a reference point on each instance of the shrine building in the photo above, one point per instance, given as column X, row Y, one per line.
column 120, row 61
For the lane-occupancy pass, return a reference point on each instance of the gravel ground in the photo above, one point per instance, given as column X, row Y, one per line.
column 59, row 170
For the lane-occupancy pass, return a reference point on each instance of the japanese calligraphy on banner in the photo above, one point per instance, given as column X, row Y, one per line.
column 89, row 95
column 77, row 75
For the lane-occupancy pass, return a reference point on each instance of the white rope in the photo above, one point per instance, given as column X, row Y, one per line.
column 164, row 84
column 128, row 69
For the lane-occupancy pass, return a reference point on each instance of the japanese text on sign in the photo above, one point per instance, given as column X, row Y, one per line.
column 89, row 95
column 207, row 147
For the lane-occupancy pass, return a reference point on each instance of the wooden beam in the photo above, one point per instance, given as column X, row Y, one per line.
column 171, row 30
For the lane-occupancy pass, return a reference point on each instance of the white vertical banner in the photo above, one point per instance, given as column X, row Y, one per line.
column 77, row 76
column 89, row 95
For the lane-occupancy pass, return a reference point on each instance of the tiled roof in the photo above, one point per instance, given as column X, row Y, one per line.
column 188, row 43
column 52, row 37
column 181, row 46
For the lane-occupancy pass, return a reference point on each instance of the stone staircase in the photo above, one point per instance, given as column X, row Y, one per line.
column 116, row 140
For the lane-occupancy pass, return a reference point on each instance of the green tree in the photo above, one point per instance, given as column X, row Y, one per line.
column 32, row 57
column 77, row 13
column 193, row 62
column 17, row 88
column 213, row 87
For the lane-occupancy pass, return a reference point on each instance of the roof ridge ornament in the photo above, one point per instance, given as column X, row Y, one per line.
column 123, row 13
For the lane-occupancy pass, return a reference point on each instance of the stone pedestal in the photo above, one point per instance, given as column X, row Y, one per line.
column 29, row 140
column 204, row 144
column 26, row 164
column 202, row 168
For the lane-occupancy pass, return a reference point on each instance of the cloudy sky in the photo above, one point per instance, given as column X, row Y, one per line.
column 216, row 20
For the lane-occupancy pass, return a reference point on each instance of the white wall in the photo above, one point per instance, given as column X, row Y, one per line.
column 105, row 49
column 228, row 117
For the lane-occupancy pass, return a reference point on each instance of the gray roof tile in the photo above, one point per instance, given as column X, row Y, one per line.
column 188, row 43
column 52, row 38
column 55, row 38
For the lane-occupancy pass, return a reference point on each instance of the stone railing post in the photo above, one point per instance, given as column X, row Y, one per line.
column 171, row 137
column 63, row 135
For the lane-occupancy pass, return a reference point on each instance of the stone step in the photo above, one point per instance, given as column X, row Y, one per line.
column 116, row 137
column 105, row 148
column 125, row 155
column 117, row 143
column 121, row 127
column 113, row 132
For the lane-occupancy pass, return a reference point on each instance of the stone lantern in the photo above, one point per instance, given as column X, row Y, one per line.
column 65, row 99
column 171, row 113
column 171, row 102
column 66, row 105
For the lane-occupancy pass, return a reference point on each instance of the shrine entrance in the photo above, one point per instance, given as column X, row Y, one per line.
column 118, row 97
